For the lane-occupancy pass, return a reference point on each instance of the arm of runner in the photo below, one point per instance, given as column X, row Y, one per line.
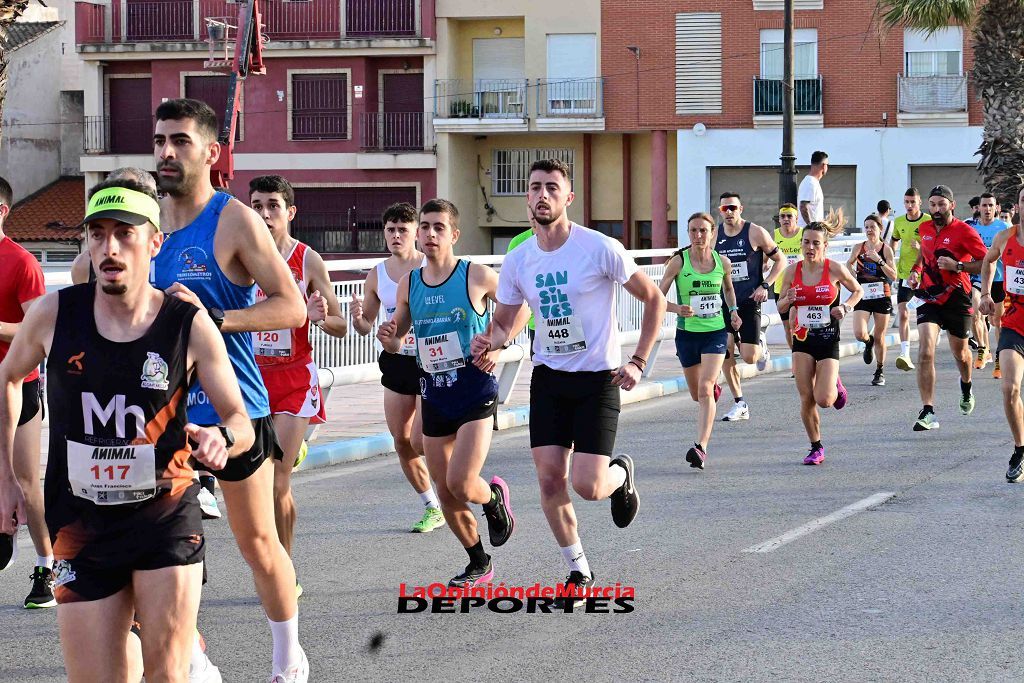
column 327, row 310
column 988, row 270
column 854, row 253
column 30, row 285
column 766, row 244
column 977, row 250
column 484, row 282
column 644, row 290
column 391, row 332
column 914, row 279
column 841, row 273
column 208, row 356
column 364, row 311
column 672, row 268
column 509, row 302
column 80, row 268
column 729, row 293
column 787, row 298
column 27, row 351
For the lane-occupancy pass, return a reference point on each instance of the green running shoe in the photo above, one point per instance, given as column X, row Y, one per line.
column 432, row 519
column 303, row 452
column 967, row 404
column 926, row 420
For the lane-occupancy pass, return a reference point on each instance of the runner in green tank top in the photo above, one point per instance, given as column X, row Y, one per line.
column 787, row 237
column 702, row 278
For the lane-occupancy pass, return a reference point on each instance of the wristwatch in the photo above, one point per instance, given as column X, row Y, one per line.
column 766, row 286
column 959, row 266
column 217, row 315
column 229, row 437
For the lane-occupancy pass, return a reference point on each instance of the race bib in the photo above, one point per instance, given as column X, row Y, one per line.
column 792, row 258
column 112, row 475
column 706, row 305
column 1014, row 280
column 873, row 290
column 408, row 345
column 914, row 303
column 276, row 343
column 441, row 353
column 739, row 271
column 813, row 317
column 560, row 336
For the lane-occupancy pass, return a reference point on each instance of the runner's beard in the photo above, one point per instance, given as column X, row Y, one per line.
column 552, row 217
column 115, row 289
column 941, row 219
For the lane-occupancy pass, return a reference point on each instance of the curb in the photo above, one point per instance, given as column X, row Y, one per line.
column 360, row 448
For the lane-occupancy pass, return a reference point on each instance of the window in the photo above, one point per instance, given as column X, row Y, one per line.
column 610, row 228
column 510, row 168
column 699, row 63
column 319, row 106
column 939, row 54
column 572, row 86
column 805, row 53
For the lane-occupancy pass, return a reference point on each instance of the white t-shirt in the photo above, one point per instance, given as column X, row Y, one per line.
column 571, row 292
column 810, row 191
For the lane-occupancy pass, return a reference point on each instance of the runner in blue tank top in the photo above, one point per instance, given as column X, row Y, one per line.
column 446, row 303
column 216, row 250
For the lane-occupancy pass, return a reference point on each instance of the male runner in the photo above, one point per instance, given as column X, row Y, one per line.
column 568, row 275
column 446, row 302
column 788, row 238
column 810, row 198
column 120, row 494
column 21, row 284
column 1008, row 247
column 400, row 374
column 905, row 234
column 940, row 278
column 285, row 357
column 216, row 251
column 746, row 245
column 988, row 226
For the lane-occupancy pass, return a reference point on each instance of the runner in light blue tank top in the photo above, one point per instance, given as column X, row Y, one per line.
column 187, row 257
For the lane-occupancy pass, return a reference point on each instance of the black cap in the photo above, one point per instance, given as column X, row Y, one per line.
column 941, row 191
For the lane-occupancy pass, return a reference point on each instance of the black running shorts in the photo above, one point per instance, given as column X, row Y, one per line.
column 438, row 424
column 31, row 401
column 399, row 373
column 816, row 348
column 1012, row 340
column 904, row 293
column 577, row 410
column 953, row 316
column 750, row 321
column 998, row 292
column 883, row 305
column 243, row 465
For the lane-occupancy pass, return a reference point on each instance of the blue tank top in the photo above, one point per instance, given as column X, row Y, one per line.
column 187, row 257
column 747, row 262
column 445, row 322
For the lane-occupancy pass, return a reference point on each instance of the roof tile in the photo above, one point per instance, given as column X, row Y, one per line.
column 51, row 214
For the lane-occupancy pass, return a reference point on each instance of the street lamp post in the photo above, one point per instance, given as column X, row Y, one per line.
column 787, row 171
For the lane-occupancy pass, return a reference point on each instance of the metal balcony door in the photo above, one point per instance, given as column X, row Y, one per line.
column 130, row 115
column 402, row 107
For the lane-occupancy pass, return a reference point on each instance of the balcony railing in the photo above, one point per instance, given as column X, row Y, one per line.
column 393, row 132
column 337, row 232
column 319, row 125
column 571, row 98
column 462, row 99
column 932, row 94
column 103, row 135
column 141, row 21
column 768, row 95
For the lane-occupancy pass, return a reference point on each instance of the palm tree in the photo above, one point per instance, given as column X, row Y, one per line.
column 10, row 10
column 998, row 40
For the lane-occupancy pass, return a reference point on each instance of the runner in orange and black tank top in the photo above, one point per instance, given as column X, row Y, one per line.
column 815, row 331
column 874, row 264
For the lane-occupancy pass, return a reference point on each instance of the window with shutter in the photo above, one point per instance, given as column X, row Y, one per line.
column 510, row 168
column 319, row 109
column 699, row 63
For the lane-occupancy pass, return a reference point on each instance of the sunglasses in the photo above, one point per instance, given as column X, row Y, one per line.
column 729, row 207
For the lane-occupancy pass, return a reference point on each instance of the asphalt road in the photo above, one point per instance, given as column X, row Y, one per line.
column 921, row 587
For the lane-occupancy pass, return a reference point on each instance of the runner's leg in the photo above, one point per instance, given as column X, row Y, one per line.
column 732, row 375
column 881, row 325
column 928, row 335
column 708, row 370
column 166, row 605
column 962, row 357
column 402, row 417
column 290, row 432
column 552, row 463
column 93, row 636
column 803, row 368
column 1012, row 365
column 826, row 372
column 27, row 439
column 860, row 325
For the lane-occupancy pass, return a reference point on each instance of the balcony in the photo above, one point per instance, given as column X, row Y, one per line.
column 122, row 136
column 932, row 100
column 570, row 104
column 462, row 105
column 393, row 132
column 184, row 21
column 768, row 99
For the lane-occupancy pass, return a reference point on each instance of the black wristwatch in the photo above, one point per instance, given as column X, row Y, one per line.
column 217, row 315
column 959, row 266
column 229, row 437
column 767, row 287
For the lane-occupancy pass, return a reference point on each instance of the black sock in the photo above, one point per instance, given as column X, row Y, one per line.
column 739, row 399
column 815, row 445
column 477, row 557
column 492, row 504
column 870, row 341
column 1018, row 450
column 929, row 409
column 698, row 446
column 965, row 388
column 207, row 482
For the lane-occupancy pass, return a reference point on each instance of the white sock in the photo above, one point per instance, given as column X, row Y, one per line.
column 287, row 652
column 904, row 348
column 198, row 661
column 44, row 561
column 429, row 499
column 618, row 475
column 573, row 554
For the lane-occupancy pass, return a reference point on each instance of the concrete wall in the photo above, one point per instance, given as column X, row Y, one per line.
column 72, row 139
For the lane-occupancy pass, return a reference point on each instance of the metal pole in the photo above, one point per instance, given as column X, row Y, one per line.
column 787, row 172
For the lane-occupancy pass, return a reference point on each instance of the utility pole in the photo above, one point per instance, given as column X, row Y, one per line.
column 787, row 172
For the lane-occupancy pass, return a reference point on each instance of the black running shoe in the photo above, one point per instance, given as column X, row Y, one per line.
column 879, row 380
column 8, row 551
column 473, row 576
column 1015, row 472
column 696, row 457
column 500, row 522
column 625, row 499
column 575, row 584
column 42, row 589
column 869, row 350
column 972, row 342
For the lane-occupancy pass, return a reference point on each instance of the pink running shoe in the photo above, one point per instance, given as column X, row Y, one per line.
column 843, row 396
column 718, row 391
column 815, row 457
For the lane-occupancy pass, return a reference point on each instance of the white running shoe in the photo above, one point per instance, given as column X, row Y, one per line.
column 296, row 674
column 740, row 411
column 766, row 355
column 208, row 504
column 206, row 673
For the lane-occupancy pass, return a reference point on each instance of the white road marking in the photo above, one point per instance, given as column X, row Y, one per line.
column 812, row 526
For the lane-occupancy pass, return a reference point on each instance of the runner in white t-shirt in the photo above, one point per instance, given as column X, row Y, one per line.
column 810, row 198
column 568, row 275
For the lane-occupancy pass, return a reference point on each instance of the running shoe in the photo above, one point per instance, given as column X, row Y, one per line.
column 815, row 457
column 879, row 380
column 500, row 521
column 739, row 411
column 625, row 499
column 842, row 396
column 303, row 452
column 432, row 519
column 1015, row 472
column 967, row 404
column 473, row 576
column 718, row 391
column 696, row 457
column 869, row 350
column 984, row 356
column 766, row 354
column 204, row 672
column 297, row 674
column 575, row 584
column 925, row 421
column 8, row 550
column 904, row 363
column 298, row 589
column 208, row 504
column 972, row 342
column 996, row 372
column 42, row 589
